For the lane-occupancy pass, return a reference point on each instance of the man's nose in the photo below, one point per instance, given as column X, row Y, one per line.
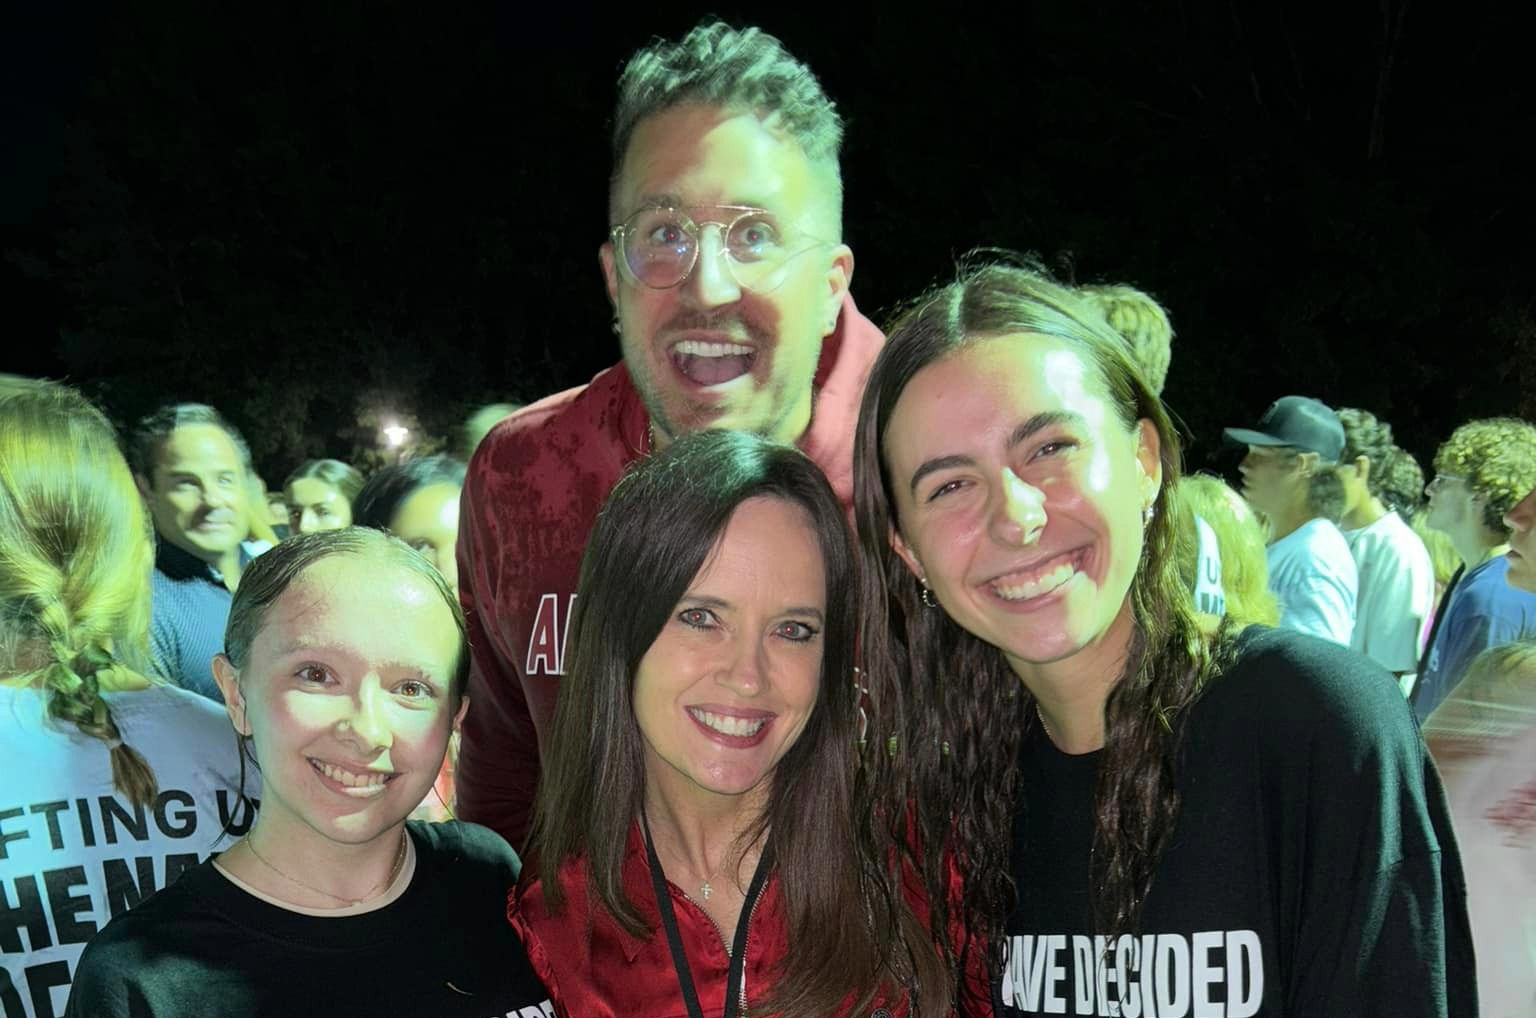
column 217, row 496
column 711, row 284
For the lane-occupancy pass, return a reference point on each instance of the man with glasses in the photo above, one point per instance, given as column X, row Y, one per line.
column 1481, row 472
column 727, row 274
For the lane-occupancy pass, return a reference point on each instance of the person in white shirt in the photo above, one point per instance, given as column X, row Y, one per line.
column 1397, row 578
column 1288, row 476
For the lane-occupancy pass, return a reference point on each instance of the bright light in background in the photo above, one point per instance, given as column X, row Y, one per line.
column 395, row 435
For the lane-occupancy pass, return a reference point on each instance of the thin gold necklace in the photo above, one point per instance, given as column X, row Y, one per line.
column 394, row 871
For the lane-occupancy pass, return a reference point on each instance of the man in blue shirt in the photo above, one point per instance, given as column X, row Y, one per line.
column 191, row 466
column 1481, row 472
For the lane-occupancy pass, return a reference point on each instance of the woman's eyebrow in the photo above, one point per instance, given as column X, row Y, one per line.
column 1039, row 422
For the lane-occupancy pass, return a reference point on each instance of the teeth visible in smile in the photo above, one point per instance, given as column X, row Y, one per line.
column 728, row 725
column 1023, row 590
column 359, row 784
column 699, row 348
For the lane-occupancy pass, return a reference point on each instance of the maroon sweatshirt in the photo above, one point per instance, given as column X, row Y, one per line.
column 534, row 489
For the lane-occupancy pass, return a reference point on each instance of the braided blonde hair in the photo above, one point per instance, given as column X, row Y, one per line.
column 75, row 558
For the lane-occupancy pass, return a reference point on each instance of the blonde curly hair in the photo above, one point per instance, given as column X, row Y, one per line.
column 1497, row 456
column 1142, row 322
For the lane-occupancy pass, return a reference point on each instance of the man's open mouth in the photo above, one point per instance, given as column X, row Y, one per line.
column 710, row 363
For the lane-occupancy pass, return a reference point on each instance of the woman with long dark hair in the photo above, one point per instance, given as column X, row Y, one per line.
column 693, row 830
column 1148, row 818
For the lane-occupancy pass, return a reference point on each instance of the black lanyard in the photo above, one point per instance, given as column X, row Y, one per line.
column 736, row 973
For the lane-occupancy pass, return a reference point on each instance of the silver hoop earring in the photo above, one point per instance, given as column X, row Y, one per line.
column 927, row 595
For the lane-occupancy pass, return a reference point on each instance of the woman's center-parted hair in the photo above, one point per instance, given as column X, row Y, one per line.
column 345, row 478
column 659, row 527
column 663, row 523
column 947, row 715
column 265, row 580
column 999, row 300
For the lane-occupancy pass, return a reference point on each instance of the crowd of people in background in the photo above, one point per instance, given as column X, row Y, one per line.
column 816, row 669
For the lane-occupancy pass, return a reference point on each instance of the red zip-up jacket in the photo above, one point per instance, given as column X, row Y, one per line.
column 534, row 489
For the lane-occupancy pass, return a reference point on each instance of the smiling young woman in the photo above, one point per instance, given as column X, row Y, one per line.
column 1047, row 714
column 343, row 674
column 693, row 828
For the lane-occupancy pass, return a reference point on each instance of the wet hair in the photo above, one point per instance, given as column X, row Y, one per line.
column 152, row 432
column 75, row 560
column 1497, row 456
column 746, row 69
column 947, row 715
column 387, row 490
column 1240, row 540
column 346, row 479
column 270, row 574
column 1142, row 322
column 658, row 529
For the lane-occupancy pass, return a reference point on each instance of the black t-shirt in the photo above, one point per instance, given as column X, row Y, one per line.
column 204, row 947
column 1311, row 870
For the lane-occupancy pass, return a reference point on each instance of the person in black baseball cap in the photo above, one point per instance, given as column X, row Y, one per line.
column 1288, row 476
column 1297, row 422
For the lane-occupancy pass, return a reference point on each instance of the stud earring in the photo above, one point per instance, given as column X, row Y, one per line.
column 1147, row 514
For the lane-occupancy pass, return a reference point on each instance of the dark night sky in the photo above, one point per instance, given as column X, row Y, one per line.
column 305, row 212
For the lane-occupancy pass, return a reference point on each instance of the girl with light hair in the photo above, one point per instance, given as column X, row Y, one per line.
column 136, row 780
column 1241, row 570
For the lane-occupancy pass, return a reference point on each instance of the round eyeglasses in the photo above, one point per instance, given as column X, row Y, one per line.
column 659, row 247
